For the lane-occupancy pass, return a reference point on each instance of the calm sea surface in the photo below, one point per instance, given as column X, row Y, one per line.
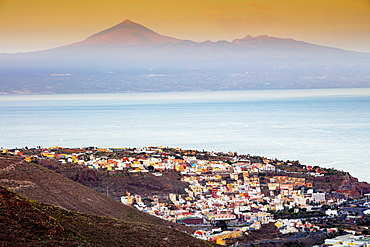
column 329, row 128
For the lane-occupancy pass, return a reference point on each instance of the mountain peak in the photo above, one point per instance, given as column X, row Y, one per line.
column 127, row 21
column 127, row 33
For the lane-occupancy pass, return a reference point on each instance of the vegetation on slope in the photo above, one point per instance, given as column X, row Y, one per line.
column 29, row 223
column 43, row 185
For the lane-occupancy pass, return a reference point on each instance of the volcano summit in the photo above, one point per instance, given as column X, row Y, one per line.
column 127, row 33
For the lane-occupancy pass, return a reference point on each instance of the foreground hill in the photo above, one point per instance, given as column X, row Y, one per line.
column 130, row 58
column 29, row 223
column 41, row 184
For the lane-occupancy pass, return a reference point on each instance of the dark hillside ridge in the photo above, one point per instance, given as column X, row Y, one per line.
column 132, row 58
column 43, row 185
column 29, row 223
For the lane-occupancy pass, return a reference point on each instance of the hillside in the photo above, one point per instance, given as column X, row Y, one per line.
column 117, row 183
column 54, row 175
column 41, row 184
column 29, row 223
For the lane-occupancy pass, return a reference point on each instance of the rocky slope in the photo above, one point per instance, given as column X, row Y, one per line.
column 29, row 223
column 41, row 184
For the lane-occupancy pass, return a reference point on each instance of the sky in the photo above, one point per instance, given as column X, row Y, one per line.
column 32, row 25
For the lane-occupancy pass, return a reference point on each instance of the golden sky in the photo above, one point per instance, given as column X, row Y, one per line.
column 30, row 25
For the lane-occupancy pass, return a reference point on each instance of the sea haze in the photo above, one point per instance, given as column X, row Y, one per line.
column 329, row 128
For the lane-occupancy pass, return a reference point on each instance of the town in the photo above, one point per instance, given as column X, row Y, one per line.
column 230, row 195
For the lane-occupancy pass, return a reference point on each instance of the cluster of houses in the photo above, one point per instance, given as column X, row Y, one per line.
column 227, row 196
column 295, row 225
column 221, row 192
column 349, row 240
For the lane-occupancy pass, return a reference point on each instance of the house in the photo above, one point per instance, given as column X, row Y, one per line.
column 332, row 212
column 268, row 168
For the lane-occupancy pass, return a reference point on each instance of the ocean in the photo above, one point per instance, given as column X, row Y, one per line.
column 324, row 127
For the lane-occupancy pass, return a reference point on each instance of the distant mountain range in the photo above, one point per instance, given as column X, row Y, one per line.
column 132, row 58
